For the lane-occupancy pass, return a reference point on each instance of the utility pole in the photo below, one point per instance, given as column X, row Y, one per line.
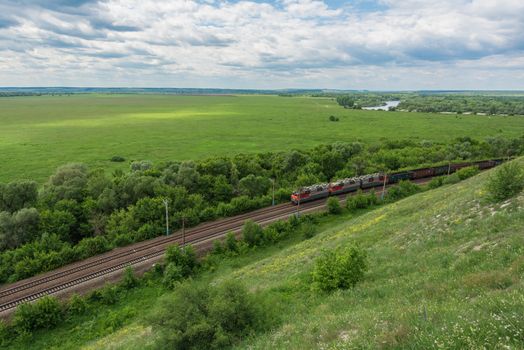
column 166, row 203
column 273, row 201
column 183, row 231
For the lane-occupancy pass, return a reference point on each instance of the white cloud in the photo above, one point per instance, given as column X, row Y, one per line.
column 289, row 43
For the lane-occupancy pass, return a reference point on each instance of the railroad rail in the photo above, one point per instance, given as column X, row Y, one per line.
column 95, row 271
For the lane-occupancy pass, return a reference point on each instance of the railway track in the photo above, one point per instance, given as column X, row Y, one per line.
column 74, row 276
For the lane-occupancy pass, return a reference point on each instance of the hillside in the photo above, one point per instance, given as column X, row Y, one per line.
column 445, row 271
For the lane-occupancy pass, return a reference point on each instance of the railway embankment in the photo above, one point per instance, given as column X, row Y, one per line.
column 445, row 270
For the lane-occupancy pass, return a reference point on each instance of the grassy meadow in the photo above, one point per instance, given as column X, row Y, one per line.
column 445, row 272
column 40, row 133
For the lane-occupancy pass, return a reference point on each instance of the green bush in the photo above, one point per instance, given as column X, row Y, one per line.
column 109, row 295
column 129, row 280
column 451, row 179
column 44, row 313
column 436, row 182
column 173, row 274
column 202, row 317
column 4, row 333
column 76, row 305
column 231, row 243
column 184, row 257
column 308, row 231
column 357, row 201
column 252, row 233
column 339, row 269
column 467, row 172
column 117, row 159
column 404, row 189
column 333, row 206
column 505, row 182
column 218, row 247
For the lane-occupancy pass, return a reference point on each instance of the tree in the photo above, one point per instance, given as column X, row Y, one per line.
column 17, row 195
column 18, row 228
column 254, row 186
column 68, row 182
column 507, row 181
column 188, row 176
column 252, row 233
column 339, row 269
column 333, row 206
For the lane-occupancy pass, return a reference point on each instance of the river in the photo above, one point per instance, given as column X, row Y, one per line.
column 383, row 108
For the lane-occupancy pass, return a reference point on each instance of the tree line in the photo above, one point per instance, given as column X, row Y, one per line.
column 80, row 212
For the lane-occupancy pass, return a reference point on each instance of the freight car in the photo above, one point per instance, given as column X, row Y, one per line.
column 314, row 192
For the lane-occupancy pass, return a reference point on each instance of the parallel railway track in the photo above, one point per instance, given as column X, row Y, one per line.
column 77, row 276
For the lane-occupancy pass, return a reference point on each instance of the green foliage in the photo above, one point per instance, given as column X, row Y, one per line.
column 339, row 269
column 117, row 159
column 332, row 118
column 44, row 313
column 129, row 279
column 359, row 201
column 254, row 186
column 404, row 189
column 185, row 258
column 173, row 274
column 252, row 233
column 467, row 172
column 76, row 305
column 333, row 206
column 17, row 195
column 231, row 243
column 202, row 317
column 506, row 182
column 436, row 182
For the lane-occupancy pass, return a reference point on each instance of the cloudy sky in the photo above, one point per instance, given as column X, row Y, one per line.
column 359, row 44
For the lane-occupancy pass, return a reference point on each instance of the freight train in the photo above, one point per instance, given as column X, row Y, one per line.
column 323, row 190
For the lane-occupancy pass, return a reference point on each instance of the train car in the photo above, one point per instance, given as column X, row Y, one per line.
column 458, row 166
column 441, row 170
column 485, row 164
column 421, row 173
column 396, row 177
column 344, row 186
column 371, row 180
column 310, row 193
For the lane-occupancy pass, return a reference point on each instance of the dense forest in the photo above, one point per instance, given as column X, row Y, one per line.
column 464, row 104
column 80, row 212
column 438, row 102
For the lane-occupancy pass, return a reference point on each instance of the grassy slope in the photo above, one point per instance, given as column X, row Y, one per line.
column 40, row 133
column 446, row 271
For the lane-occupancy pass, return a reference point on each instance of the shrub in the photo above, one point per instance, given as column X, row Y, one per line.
column 185, row 258
column 467, row 172
column 402, row 190
column 172, row 275
column 218, row 248
column 200, row 317
column 4, row 333
column 252, row 233
column 506, row 182
column 339, row 269
column 117, row 159
column 333, row 206
column 44, row 313
column 76, row 305
column 358, row 201
column 231, row 243
column 308, row 231
column 451, row 179
column 129, row 280
column 436, row 182
column 109, row 295
column 332, row 118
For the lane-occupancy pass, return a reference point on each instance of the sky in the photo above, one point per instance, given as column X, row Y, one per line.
column 359, row 44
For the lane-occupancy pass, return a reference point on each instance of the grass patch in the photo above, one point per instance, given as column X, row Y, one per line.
column 41, row 133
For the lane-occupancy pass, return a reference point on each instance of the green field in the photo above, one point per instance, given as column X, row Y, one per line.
column 446, row 271
column 41, row 133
